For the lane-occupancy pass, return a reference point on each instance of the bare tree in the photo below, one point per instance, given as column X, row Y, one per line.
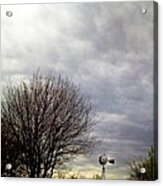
column 45, row 121
column 149, row 164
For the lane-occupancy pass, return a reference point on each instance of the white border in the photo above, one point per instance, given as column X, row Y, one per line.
column 54, row 1
column 52, row 182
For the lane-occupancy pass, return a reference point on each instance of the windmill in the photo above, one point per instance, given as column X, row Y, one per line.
column 103, row 160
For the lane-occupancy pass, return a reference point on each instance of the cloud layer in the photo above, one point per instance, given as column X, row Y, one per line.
column 106, row 49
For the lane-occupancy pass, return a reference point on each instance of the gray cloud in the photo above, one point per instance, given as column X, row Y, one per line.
column 106, row 49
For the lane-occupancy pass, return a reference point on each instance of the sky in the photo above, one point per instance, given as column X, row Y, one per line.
column 104, row 48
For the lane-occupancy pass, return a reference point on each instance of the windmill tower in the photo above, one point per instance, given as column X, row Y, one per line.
column 103, row 159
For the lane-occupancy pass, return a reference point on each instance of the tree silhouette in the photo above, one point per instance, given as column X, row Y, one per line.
column 45, row 122
column 148, row 163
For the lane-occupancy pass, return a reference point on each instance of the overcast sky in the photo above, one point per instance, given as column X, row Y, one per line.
column 107, row 50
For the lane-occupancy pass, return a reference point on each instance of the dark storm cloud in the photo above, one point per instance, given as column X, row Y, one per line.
column 105, row 48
